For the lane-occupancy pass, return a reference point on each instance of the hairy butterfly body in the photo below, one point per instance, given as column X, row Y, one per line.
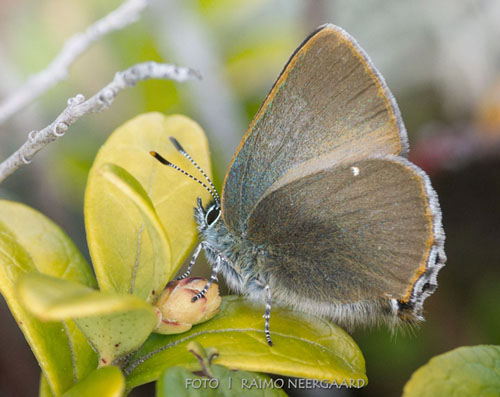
column 320, row 208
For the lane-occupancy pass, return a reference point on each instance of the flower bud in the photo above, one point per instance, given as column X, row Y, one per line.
column 175, row 310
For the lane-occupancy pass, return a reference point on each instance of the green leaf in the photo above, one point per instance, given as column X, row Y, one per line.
column 213, row 380
column 44, row 387
column 103, row 382
column 52, row 250
column 180, row 382
column 114, row 324
column 119, row 241
column 465, row 371
column 30, row 242
column 159, row 270
column 305, row 346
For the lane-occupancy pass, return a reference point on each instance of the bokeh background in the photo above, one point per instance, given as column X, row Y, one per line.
column 441, row 59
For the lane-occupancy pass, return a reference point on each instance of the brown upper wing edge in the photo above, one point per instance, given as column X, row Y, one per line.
column 397, row 119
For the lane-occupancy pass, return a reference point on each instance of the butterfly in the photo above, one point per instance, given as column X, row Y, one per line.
column 320, row 208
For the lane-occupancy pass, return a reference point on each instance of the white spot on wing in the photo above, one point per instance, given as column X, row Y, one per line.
column 355, row 171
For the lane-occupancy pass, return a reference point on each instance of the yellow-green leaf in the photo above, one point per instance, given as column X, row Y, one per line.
column 118, row 240
column 114, row 324
column 44, row 388
column 152, row 276
column 214, row 380
column 52, row 250
column 30, row 242
column 103, row 382
column 180, row 382
column 465, row 371
column 304, row 346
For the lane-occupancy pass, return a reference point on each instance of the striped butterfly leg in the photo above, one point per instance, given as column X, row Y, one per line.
column 192, row 262
column 267, row 315
column 213, row 277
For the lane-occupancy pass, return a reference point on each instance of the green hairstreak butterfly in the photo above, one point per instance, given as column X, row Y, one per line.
column 320, row 208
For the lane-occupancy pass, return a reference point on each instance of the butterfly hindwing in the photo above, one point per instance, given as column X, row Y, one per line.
column 355, row 232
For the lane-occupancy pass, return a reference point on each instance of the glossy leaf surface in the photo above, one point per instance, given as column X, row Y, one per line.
column 178, row 381
column 465, row 371
column 103, row 382
column 304, row 346
column 31, row 243
column 114, row 324
column 119, row 242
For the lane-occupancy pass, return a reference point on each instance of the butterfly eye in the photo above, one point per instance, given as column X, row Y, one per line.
column 212, row 215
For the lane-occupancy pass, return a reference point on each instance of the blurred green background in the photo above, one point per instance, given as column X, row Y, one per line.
column 440, row 58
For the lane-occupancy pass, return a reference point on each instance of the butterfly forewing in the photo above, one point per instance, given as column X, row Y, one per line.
column 328, row 102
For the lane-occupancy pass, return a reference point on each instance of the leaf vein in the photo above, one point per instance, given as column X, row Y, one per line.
column 134, row 364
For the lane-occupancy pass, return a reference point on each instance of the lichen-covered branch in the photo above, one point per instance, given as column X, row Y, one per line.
column 78, row 106
column 37, row 84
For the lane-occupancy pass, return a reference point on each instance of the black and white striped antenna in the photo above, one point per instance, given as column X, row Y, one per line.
column 164, row 161
column 181, row 150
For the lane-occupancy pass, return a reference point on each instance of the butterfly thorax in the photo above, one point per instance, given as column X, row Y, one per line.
column 242, row 260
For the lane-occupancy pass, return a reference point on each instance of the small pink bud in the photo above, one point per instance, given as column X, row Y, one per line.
column 177, row 313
